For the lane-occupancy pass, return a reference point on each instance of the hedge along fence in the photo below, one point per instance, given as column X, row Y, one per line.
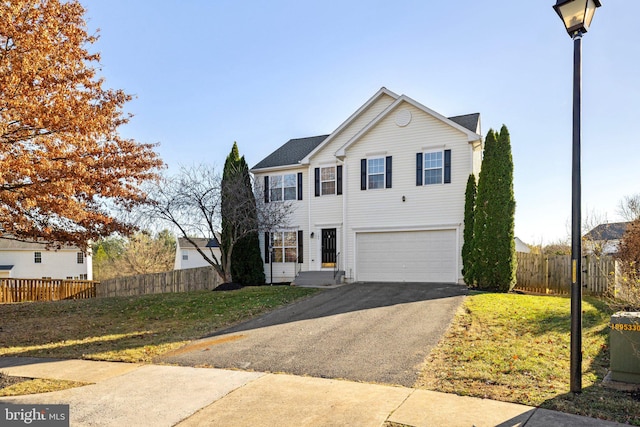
column 552, row 274
column 21, row 290
column 191, row 279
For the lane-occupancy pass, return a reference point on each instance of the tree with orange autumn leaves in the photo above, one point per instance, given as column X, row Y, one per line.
column 63, row 165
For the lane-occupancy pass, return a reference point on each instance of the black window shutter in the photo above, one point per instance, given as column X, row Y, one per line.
column 267, row 242
column 338, row 180
column 447, row 166
column 388, row 172
column 300, row 247
column 363, row 174
column 317, row 181
column 419, row 169
column 299, row 185
column 266, row 189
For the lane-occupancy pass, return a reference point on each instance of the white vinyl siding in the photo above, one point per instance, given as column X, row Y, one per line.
column 403, row 208
column 329, row 210
column 405, row 205
column 298, row 219
column 56, row 264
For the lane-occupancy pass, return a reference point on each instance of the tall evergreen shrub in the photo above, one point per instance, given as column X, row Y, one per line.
column 467, row 247
column 493, row 242
column 246, row 260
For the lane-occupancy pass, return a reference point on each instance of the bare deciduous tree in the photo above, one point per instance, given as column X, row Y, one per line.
column 191, row 203
column 629, row 207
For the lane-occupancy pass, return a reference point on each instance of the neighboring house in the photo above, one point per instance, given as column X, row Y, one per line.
column 30, row 260
column 381, row 198
column 522, row 246
column 605, row 238
column 187, row 256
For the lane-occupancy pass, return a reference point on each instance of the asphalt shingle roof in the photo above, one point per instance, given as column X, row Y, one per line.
column 297, row 149
column 611, row 231
column 10, row 244
column 291, row 152
column 468, row 121
column 201, row 242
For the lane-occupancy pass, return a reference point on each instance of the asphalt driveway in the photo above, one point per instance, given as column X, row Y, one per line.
column 374, row 332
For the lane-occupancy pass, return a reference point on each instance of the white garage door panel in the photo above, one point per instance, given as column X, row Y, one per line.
column 417, row 256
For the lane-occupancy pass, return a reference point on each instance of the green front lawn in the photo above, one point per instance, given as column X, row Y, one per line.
column 515, row 348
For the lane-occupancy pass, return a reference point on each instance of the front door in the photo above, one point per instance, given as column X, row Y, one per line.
column 328, row 247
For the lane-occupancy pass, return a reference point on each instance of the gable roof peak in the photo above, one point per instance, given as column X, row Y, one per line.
column 471, row 134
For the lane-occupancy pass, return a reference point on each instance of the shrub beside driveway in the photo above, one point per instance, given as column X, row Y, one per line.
column 515, row 348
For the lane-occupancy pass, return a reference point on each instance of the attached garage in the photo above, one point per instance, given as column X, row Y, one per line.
column 407, row 256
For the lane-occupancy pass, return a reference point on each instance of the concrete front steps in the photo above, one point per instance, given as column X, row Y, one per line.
column 313, row 279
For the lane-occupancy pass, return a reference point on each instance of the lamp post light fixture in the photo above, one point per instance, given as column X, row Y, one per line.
column 576, row 16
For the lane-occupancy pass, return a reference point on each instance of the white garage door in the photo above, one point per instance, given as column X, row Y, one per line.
column 416, row 256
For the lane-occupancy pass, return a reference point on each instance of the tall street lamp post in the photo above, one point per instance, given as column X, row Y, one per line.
column 577, row 16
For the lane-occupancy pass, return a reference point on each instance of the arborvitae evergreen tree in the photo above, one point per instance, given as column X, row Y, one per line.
column 506, row 242
column 246, row 261
column 493, row 242
column 229, row 173
column 467, row 247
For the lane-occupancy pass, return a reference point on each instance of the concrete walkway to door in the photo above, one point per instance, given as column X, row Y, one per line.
column 374, row 332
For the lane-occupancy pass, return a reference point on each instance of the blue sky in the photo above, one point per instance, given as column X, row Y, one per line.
column 208, row 73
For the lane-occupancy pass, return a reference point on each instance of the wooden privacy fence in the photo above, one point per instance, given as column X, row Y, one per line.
column 552, row 274
column 191, row 279
column 21, row 290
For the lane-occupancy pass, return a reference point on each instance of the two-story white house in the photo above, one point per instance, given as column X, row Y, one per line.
column 32, row 260
column 381, row 197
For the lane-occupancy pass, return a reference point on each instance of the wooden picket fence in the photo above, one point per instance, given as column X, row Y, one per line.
column 191, row 279
column 21, row 290
column 542, row 274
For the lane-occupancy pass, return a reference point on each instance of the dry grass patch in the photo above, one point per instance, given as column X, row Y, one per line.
column 515, row 348
column 22, row 386
column 131, row 329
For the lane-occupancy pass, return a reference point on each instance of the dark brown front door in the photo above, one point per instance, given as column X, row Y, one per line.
column 328, row 247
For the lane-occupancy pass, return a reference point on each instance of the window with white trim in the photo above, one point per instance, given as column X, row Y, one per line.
column 328, row 180
column 185, row 256
column 375, row 173
column 283, row 187
column 285, row 246
column 433, row 167
column 80, row 258
column 37, row 257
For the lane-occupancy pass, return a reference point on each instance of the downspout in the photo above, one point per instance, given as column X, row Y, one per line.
column 309, row 195
column 345, row 192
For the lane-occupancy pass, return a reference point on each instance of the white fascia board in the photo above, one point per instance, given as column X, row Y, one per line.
column 383, row 91
column 275, row 169
column 471, row 136
column 417, row 227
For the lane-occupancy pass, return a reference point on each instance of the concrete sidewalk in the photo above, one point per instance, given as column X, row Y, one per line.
column 154, row 395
